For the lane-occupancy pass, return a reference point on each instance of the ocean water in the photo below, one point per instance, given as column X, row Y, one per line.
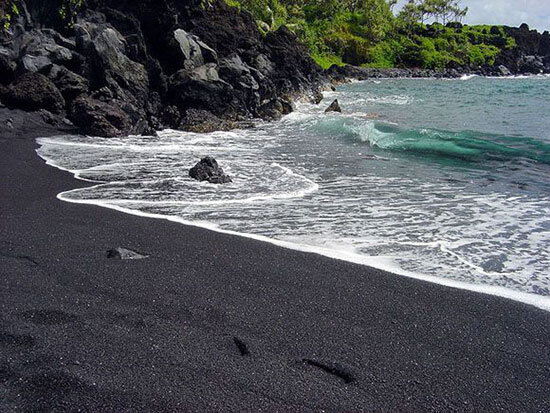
column 444, row 180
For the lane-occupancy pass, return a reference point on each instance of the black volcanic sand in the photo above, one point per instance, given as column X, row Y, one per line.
column 217, row 322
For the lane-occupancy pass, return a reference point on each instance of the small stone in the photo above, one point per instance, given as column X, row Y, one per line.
column 124, row 254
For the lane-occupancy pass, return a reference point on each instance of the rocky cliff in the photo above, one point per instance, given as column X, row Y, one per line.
column 137, row 66
column 531, row 54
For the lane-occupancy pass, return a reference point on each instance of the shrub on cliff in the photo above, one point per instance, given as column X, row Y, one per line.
column 57, row 13
column 365, row 32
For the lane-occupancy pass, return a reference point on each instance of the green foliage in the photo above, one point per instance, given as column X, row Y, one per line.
column 67, row 11
column 378, row 19
column 482, row 54
column 383, row 55
column 365, row 32
column 8, row 12
column 326, row 61
column 359, row 32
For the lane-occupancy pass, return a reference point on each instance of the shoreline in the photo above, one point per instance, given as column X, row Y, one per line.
column 347, row 74
column 538, row 301
column 163, row 333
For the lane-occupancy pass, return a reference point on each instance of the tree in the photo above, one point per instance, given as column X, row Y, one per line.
column 421, row 11
column 378, row 18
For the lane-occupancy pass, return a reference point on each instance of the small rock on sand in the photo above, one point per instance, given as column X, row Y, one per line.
column 124, row 254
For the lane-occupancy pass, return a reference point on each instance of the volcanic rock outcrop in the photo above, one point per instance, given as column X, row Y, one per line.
column 208, row 170
column 130, row 67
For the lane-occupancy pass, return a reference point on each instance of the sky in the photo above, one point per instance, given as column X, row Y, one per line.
column 536, row 13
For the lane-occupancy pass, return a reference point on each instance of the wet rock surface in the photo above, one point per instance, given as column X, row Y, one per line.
column 334, row 107
column 203, row 121
column 208, row 170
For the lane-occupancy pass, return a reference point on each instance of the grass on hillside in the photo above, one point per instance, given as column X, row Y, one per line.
column 340, row 37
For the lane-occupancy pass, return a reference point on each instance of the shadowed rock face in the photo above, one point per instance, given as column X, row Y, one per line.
column 33, row 91
column 201, row 121
column 208, row 170
column 334, row 107
column 530, row 54
column 99, row 118
column 132, row 67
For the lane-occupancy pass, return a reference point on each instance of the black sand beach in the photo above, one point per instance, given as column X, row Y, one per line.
column 217, row 322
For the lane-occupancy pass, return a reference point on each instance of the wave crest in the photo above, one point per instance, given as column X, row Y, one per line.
column 468, row 146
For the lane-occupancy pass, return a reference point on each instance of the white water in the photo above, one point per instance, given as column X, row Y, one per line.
column 310, row 183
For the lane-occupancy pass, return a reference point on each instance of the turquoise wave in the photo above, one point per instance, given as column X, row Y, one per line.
column 467, row 146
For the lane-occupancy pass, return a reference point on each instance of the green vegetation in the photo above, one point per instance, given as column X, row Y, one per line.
column 66, row 9
column 69, row 9
column 8, row 11
column 425, row 34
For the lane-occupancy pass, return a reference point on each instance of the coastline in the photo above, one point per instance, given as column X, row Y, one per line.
column 162, row 333
column 538, row 301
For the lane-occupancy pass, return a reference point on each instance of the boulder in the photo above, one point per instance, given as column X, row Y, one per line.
column 334, row 107
column 69, row 84
column 504, row 71
column 7, row 65
column 82, row 36
column 195, row 52
column 59, row 39
column 104, row 49
column 33, row 91
column 170, row 117
column 244, row 80
column 114, row 78
column 232, row 69
column 31, row 63
column 41, row 47
column 99, row 118
column 264, row 65
column 200, row 88
column 48, row 117
column 208, row 170
column 204, row 73
column 275, row 109
column 531, row 64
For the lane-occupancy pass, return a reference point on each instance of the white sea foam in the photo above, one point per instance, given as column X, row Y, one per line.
column 343, row 254
column 384, row 100
column 468, row 77
column 343, row 249
column 310, row 183
column 541, row 76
